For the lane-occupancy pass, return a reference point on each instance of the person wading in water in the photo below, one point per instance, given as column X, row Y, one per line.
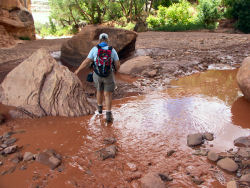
column 105, row 61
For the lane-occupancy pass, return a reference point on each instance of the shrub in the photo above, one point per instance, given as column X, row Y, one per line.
column 177, row 17
column 209, row 12
column 239, row 10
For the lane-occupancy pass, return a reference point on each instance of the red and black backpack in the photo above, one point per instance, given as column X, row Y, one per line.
column 103, row 63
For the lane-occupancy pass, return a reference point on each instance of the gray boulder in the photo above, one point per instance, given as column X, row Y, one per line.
column 39, row 86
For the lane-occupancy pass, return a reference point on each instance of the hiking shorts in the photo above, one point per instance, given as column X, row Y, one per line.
column 104, row 83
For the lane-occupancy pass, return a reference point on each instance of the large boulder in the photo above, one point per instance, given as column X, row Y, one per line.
column 243, row 78
column 6, row 40
column 16, row 18
column 75, row 50
column 39, row 86
column 135, row 65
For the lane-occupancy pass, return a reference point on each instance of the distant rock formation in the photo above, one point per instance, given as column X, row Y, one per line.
column 39, row 86
column 243, row 78
column 16, row 19
column 75, row 50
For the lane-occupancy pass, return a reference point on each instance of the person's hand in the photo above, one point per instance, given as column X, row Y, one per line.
column 76, row 72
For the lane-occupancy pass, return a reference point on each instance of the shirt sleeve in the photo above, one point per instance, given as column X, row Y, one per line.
column 115, row 55
column 91, row 54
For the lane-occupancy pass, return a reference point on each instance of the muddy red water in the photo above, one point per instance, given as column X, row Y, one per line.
column 146, row 128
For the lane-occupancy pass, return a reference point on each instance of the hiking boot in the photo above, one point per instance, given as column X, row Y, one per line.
column 109, row 117
column 99, row 108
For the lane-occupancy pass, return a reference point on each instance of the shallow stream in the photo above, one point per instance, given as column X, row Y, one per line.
column 146, row 128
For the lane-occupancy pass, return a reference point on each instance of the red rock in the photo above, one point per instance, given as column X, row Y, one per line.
column 242, row 141
column 46, row 88
column 76, row 49
column 136, row 64
column 243, row 78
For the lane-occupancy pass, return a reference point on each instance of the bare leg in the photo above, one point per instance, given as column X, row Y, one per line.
column 108, row 100
column 99, row 96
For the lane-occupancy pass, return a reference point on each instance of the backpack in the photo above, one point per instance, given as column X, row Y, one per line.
column 103, row 63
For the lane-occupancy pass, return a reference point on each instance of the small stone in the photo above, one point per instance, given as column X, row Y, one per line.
column 238, row 174
column 246, row 163
column 17, row 158
column 227, row 164
column 165, row 178
column 1, row 163
column 133, row 176
column 110, row 140
column 10, row 149
column 208, row 136
column 10, row 141
column 197, row 181
column 244, row 152
column 4, row 146
column 108, row 152
column 202, row 152
column 28, row 156
column 152, row 73
column 152, row 180
column 54, row 162
column 242, row 141
column 132, row 167
column 245, row 178
column 170, row 152
column 212, row 156
column 47, row 158
column 194, row 139
column 232, row 184
column 60, row 168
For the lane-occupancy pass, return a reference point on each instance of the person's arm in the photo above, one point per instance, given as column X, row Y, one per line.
column 84, row 64
column 117, row 65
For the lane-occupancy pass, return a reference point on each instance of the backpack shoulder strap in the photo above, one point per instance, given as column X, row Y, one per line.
column 110, row 48
column 99, row 47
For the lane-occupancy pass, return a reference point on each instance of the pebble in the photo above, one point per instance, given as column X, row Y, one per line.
column 245, row 178
column 227, row 164
column 49, row 159
column 165, row 177
column 10, row 149
column 242, row 141
column 170, row 152
column 232, row 184
column 197, row 181
column 152, row 180
column 208, row 136
column 108, row 152
column 212, row 156
column 10, row 141
column 28, row 156
column 194, row 139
